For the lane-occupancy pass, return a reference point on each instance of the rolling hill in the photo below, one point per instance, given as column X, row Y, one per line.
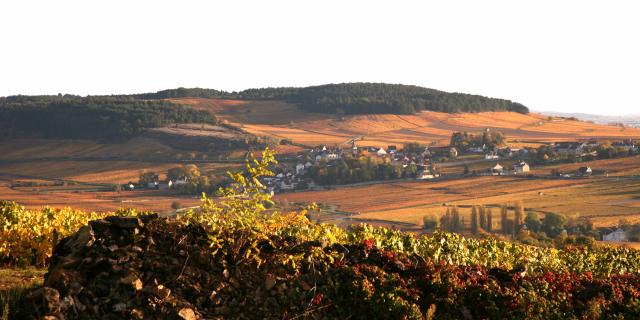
column 285, row 121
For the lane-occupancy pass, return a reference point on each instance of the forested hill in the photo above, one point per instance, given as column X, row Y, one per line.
column 68, row 116
column 358, row 98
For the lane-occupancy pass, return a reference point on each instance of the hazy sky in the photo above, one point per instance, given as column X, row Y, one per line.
column 549, row 55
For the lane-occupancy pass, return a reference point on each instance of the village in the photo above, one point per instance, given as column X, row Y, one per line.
column 426, row 162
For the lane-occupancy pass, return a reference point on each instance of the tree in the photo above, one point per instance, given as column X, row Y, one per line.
column 519, row 217
column 429, row 222
column 553, row 224
column 482, row 217
column 445, row 220
column 532, row 221
column 504, row 221
column 474, row 220
column 147, row 177
column 456, row 226
column 489, row 225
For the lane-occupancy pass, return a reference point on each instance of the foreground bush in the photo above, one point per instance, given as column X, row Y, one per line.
column 27, row 236
column 155, row 268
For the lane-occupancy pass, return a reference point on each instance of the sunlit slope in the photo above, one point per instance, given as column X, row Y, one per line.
column 285, row 121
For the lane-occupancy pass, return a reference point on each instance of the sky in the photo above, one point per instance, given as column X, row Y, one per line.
column 563, row 56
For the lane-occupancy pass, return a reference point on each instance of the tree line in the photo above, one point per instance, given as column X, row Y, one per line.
column 358, row 98
column 463, row 141
column 354, row 170
column 93, row 117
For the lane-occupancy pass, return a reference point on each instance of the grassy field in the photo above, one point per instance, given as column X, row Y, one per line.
column 283, row 120
column 606, row 201
column 89, row 184
column 13, row 283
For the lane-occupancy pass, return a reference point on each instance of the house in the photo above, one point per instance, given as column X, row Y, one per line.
column 616, row 236
column 585, row 171
column 497, row 170
column 626, row 145
column 570, row 147
column 286, row 185
column 512, row 152
column 521, row 167
column 300, row 168
column 491, row 156
column 477, row 149
column 425, row 173
column 333, row 156
column 381, row 152
column 453, row 153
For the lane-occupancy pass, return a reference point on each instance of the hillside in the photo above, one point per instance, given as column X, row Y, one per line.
column 73, row 117
column 357, row 98
column 285, row 121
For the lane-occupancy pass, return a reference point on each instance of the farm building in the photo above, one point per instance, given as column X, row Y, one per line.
column 497, row 170
column 616, row 236
column 521, row 167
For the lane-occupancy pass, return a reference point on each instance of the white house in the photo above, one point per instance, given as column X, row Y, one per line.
column 381, row 152
column 616, row 236
column 426, row 174
column 300, row 168
column 497, row 170
column 333, row 156
column 491, row 156
column 521, row 167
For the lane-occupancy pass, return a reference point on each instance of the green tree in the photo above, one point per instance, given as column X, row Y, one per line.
column 553, row 224
column 518, row 220
column 489, row 225
column 532, row 221
column 430, row 222
column 474, row 220
column 147, row 177
column 504, row 220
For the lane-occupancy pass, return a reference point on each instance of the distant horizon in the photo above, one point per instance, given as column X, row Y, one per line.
column 533, row 110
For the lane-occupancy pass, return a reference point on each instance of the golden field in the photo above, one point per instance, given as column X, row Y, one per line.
column 283, row 120
column 604, row 200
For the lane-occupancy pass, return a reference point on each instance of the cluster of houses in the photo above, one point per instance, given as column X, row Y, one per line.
column 155, row 183
column 287, row 179
column 582, row 149
column 519, row 167
column 293, row 177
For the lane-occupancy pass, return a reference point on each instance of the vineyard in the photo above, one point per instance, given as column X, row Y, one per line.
column 237, row 257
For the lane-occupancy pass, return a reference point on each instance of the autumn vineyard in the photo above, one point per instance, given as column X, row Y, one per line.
column 237, row 256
